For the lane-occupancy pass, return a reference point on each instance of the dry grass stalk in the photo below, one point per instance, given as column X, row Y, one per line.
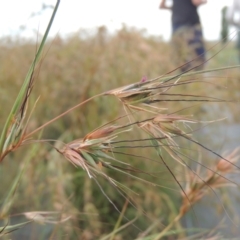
column 198, row 187
column 165, row 129
column 46, row 217
column 156, row 91
column 90, row 152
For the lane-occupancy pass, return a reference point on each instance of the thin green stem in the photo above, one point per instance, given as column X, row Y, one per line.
column 26, row 82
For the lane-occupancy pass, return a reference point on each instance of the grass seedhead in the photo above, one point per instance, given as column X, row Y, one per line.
column 165, row 129
column 198, row 186
column 90, row 152
column 101, row 133
column 118, row 152
column 147, row 93
column 227, row 167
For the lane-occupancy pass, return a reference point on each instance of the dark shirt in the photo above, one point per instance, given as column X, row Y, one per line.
column 184, row 13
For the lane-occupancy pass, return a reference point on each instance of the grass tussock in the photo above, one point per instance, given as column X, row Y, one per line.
column 142, row 158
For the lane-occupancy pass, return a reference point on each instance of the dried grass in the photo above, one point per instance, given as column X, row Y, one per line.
column 152, row 119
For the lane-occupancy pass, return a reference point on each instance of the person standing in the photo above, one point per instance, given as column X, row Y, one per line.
column 233, row 18
column 187, row 37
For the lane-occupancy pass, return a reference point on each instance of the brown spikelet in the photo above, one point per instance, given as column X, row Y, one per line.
column 171, row 118
column 75, row 158
column 100, row 133
column 227, row 166
column 224, row 166
column 199, row 187
column 100, row 165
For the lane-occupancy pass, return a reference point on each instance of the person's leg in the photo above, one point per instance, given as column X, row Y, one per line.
column 196, row 46
column 181, row 49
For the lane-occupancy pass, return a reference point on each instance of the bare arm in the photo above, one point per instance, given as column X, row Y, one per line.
column 163, row 5
column 199, row 2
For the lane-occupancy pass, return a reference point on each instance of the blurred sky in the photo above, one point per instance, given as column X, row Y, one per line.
column 88, row 14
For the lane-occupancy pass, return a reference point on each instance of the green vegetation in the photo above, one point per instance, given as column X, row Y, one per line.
column 136, row 145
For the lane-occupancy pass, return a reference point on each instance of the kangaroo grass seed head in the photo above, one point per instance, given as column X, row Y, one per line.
column 227, row 166
column 198, row 186
column 135, row 93
column 91, row 152
column 74, row 157
column 224, row 166
column 101, row 133
column 171, row 118
column 165, row 127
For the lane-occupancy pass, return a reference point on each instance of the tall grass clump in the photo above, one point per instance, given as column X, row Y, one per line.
column 145, row 152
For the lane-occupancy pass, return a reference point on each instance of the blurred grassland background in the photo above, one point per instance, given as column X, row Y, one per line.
column 72, row 70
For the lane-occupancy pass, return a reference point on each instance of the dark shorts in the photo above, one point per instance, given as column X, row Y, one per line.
column 188, row 47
